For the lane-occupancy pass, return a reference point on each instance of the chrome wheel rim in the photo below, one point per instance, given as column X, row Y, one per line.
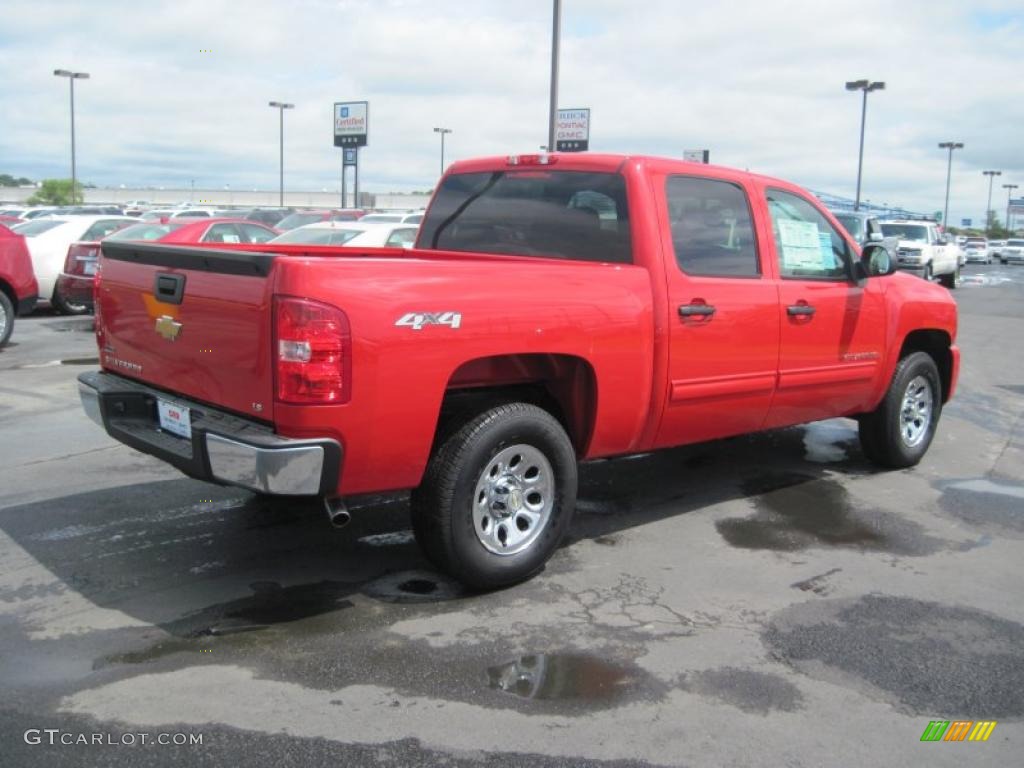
column 513, row 499
column 916, row 413
column 3, row 322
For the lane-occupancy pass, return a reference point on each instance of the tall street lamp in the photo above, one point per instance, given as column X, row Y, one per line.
column 950, row 145
column 1009, row 193
column 281, row 107
column 442, row 131
column 72, row 76
column 556, row 26
column 988, row 209
column 866, row 86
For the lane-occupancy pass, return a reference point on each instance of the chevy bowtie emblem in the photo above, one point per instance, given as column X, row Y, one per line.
column 168, row 327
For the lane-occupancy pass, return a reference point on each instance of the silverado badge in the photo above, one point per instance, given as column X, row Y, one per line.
column 168, row 327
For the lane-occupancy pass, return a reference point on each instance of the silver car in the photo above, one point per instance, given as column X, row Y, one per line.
column 1013, row 252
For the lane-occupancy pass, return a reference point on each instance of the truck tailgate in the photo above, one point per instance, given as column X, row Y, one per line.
column 194, row 321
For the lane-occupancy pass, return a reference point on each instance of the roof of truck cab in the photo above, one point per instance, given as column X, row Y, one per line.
column 602, row 163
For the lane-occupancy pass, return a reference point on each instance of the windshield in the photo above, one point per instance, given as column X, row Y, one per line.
column 854, row 224
column 555, row 214
column 33, row 228
column 299, row 219
column 317, row 236
column 906, row 232
column 1015, row 243
column 146, row 231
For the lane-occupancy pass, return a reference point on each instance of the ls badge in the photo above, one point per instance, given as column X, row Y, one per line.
column 168, row 327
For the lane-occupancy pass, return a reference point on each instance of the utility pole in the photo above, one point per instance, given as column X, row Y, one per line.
column 1009, row 193
column 950, row 145
column 442, row 131
column 281, row 107
column 866, row 86
column 556, row 27
column 72, row 76
column 989, row 214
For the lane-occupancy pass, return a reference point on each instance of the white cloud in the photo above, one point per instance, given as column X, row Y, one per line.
column 759, row 84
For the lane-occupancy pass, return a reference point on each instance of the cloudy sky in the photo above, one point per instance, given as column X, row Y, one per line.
column 759, row 84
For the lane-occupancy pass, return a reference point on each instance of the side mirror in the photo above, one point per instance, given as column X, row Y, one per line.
column 876, row 261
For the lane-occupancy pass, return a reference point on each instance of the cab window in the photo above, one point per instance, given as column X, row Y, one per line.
column 806, row 244
column 712, row 233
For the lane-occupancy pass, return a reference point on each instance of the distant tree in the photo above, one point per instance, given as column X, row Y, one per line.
column 7, row 180
column 23, row 182
column 57, row 192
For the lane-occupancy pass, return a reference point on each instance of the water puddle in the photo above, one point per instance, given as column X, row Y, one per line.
column 795, row 511
column 825, row 441
column 560, row 676
column 413, row 587
column 980, row 501
column 392, row 539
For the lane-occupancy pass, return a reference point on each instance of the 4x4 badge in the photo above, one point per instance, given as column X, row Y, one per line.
column 168, row 327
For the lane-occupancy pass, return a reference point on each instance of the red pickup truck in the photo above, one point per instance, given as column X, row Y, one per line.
column 555, row 308
column 18, row 287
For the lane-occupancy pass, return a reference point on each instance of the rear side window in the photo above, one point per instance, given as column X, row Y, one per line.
column 555, row 214
column 104, row 227
column 222, row 233
column 712, row 233
column 38, row 227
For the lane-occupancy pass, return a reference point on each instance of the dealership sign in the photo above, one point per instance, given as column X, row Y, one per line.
column 351, row 123
column 572, row 130
column 350, row 156
column 697, row 155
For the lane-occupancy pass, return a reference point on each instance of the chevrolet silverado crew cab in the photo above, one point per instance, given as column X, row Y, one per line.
column 922, row 249
column 556, row 308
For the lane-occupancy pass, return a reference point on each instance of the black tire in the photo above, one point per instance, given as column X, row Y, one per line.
column 927, row 274
column 881, row 435
column 65, row 307
column 443, row 505
column 951, row 281
column 6, row 318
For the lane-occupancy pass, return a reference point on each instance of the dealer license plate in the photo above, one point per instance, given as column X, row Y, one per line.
column 174, row 418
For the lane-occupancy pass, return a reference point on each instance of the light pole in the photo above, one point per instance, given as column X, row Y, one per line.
column 280, row 106
column 866, row 86
column 950, row 145
column 988, row 209
column 72, row 76
column 442, row 131
column 556, row 26
column 1009, row 193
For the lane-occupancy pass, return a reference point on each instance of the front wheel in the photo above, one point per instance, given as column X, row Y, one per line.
column 927, row 274
column 897, row 433
column 497, row 497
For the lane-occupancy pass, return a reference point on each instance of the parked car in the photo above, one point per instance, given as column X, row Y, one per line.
column 921, row 249
column 303, row 217
column 527, row 331
column 385, row 236
column 976, row 251
column 995, row 250
column 1013, row 252
column 18, row 287
column 48, row 242
column 268, row 216
column 324, row 233
column 865, row 228
column 75, row 283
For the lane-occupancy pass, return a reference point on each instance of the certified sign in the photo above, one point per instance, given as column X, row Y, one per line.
column 351, row 123
column 572, row 130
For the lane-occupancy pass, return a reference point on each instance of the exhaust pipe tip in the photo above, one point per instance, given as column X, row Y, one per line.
column 337, row 512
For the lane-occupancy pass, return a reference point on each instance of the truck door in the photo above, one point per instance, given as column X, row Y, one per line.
column 724, row 322
column 833, row 330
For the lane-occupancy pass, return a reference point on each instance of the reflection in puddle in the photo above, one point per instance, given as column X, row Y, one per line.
column 413, row 587
column 559, row 676
column 825, row 441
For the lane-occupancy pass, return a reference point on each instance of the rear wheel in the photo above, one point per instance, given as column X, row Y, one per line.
column 952, row 280
column 897, row 433
column 6, row 318
column 497, row 497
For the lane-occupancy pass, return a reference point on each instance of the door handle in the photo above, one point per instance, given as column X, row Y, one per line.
column 799, row 309
column 696, row 310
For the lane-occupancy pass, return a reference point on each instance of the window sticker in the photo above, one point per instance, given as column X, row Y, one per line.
column 802, row 246
column 828, row 257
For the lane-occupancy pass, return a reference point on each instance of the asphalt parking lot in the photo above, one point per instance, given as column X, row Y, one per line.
column 765, row 600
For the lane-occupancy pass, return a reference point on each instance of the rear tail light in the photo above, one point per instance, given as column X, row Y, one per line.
column 312, row 352
column 81, row 259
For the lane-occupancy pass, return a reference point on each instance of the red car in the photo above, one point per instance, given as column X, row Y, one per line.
column 556, row 308
column 18, row 289
column 75, row 283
